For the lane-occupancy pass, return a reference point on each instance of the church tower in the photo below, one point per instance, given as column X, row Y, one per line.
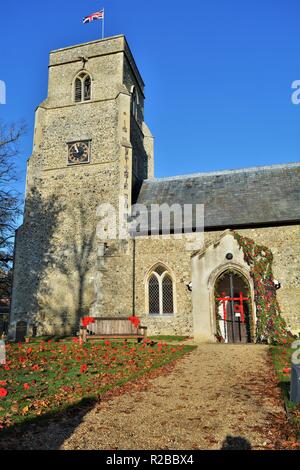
column 91, row 146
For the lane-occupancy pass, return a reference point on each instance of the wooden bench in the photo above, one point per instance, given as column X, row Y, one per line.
column 113, row 328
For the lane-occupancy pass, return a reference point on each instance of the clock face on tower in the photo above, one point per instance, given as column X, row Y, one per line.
column 79, row 152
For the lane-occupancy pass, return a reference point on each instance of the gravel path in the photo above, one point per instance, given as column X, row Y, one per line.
column 214, row 392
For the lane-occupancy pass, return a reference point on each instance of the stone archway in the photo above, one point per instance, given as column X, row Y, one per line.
column 233, row 307
column 207, row 265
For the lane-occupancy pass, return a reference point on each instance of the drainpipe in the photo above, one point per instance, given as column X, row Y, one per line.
column 133, row 276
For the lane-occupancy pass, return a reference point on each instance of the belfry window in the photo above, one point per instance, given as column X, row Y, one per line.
column 134, row 103
column 160, row 292
column 82, row 87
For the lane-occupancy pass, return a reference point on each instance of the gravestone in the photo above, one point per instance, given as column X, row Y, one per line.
column 21, row 331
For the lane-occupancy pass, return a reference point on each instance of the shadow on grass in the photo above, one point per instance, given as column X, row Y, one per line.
column 236, row 443
column 285, row 389
column 48, row 431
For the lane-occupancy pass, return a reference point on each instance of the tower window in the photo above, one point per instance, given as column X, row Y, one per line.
column 134, row 103
column 78, row 90
column 160, row 292
column 87, row 88
column 83, row 85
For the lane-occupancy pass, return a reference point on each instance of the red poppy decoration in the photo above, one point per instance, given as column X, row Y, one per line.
column 135, row 321
column 83, row 368
column 87, row 320
column 3, row 392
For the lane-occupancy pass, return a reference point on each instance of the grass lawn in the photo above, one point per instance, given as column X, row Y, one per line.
column 45, row 377
column 281, row 356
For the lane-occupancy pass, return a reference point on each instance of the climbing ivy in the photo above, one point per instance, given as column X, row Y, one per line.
column 270, row 326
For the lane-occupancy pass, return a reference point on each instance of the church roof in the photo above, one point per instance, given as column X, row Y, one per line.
column 263, row 195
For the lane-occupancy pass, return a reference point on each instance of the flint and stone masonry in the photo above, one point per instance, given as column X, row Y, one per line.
column 63, row 270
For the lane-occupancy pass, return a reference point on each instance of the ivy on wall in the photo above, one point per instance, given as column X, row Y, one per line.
column 270, row 326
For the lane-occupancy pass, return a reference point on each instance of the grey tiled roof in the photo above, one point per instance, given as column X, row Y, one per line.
column 233, row 198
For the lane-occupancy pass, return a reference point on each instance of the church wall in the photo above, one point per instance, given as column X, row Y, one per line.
column 60, row 265
column 284, row 242
column 137, row 138
column 56, row 259
column 173, row 254
column 130, row 81
column 116, row 282
column 60, row 214
column 104, row 86
column 56, row 246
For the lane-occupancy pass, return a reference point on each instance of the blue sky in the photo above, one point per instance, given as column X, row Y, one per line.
column 218, row 73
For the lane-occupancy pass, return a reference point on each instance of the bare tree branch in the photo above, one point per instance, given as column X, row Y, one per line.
column 10, row 136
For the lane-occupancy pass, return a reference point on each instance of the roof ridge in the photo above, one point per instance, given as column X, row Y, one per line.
column 230, row 171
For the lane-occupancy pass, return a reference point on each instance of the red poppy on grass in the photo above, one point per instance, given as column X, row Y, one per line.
column 26, row 386
column 35, row 367
column 3, row 392
column 83, row 368
column 3, row 382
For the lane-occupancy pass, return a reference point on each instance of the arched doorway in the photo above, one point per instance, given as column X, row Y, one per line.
column 233, row 308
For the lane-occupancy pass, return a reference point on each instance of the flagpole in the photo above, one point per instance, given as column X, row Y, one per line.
column 103, row 24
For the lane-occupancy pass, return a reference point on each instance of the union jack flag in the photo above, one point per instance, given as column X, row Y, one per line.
column 99, row 15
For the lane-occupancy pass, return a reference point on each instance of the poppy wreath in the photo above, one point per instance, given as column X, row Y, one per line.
column 270, row 326
column 85, row 321
column 219, row 317
column 135, row 321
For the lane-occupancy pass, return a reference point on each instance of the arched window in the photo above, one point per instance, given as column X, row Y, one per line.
column 160, row 292
column 82, row 87
column 134, row 103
